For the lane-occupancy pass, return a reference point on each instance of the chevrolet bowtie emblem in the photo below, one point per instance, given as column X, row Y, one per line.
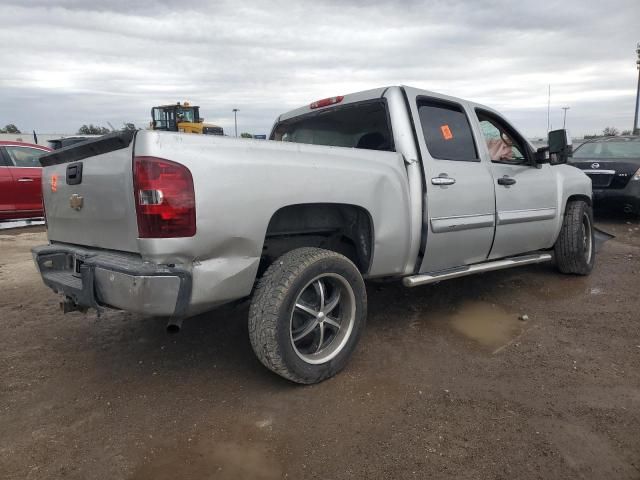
column 76, row 201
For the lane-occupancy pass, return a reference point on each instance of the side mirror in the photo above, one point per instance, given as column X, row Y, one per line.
column 560, row 147
column 542, row 155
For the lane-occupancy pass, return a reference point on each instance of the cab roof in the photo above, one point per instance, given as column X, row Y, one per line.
column 175, row 105
column 346, row 99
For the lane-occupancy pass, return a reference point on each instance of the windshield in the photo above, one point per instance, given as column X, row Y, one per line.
column 185, row 115
column 164, row 118
column 167, row 118
column 360, row 125
column 619, row 148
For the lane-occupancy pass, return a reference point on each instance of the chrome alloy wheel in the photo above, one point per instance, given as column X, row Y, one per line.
column 322, row 318
column 587, row 237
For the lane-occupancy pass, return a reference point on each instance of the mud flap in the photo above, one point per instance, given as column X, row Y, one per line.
column 601, row 237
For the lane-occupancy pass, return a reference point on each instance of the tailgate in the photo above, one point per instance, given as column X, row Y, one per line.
column 88, row 193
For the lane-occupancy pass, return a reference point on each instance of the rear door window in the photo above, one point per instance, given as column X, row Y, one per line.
column 359, row 125
column 447, row 131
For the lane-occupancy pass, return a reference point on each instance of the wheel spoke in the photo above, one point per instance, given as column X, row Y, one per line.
column 319, row 287
column 310, row 327
column 306, row 309
column 322, row 318
column 332, row 303
column 321, row 341
column 332, row 323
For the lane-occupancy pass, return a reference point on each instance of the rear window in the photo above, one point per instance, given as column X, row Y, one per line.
column 446, row 131
column 359, row 125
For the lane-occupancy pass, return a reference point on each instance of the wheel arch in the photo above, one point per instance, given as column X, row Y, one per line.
column 579, row 196
column 345, row 228
column 562, row 207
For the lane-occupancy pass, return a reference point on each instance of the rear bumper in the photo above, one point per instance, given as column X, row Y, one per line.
column 619, row 197
column 99, row 279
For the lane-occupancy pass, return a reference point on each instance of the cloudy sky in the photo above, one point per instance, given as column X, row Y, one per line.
column 69, row 62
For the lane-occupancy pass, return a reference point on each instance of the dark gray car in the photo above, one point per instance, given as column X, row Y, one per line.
column 613, row 164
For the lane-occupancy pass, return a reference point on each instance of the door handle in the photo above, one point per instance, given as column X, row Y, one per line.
column 443, row 179
column 506, row 181
column 25, row 179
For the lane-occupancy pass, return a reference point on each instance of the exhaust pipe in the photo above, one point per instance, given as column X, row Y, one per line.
column 627, row 208
column 174, row 325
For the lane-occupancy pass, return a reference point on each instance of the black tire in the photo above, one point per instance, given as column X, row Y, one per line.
column 575, row 247
column 272, row 316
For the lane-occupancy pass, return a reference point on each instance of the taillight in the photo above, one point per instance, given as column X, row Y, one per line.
column 165, row 199
column 325, row 102
column 636, row 176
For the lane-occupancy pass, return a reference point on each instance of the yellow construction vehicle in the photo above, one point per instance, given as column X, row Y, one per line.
column 181, row 118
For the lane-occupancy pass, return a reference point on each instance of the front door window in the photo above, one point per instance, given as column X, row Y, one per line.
column 502, row 146
column 24, row 156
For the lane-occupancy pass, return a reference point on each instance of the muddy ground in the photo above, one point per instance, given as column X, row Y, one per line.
column 446, row 383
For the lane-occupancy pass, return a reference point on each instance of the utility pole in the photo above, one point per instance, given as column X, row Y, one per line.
column 235, row 119
column 549, row 110
column 636, row 130
column 564, row 117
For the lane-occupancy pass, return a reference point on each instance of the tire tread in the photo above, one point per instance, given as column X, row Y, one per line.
column 568, row 245
column 264, row 311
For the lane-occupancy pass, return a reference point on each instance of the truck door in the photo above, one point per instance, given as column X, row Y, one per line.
column 460, row 205
column 526, row 193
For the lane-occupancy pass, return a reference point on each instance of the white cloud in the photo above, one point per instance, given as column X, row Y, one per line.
column 71, row 62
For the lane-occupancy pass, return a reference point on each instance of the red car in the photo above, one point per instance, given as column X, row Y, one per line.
column 20, row 180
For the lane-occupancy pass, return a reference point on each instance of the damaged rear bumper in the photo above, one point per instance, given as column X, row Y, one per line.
column 101, row 279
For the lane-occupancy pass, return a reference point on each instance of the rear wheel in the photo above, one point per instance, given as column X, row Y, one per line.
column 307, row 314
column 575, row 247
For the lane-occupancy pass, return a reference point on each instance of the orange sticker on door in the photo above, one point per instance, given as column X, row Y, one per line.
column 54, row 183
column 446, row 132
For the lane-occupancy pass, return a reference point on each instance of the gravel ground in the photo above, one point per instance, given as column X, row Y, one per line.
column 447, row 383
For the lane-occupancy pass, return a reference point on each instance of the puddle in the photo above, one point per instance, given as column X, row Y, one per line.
column 487, row 324
column 211, row 459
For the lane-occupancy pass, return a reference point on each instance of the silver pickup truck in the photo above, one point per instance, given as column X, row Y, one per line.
column 393, row 183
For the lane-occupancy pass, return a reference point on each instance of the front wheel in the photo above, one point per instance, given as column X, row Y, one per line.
column 307, row 314
column 575, row 247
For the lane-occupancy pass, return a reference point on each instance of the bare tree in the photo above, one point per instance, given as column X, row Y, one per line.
column 610, row 132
